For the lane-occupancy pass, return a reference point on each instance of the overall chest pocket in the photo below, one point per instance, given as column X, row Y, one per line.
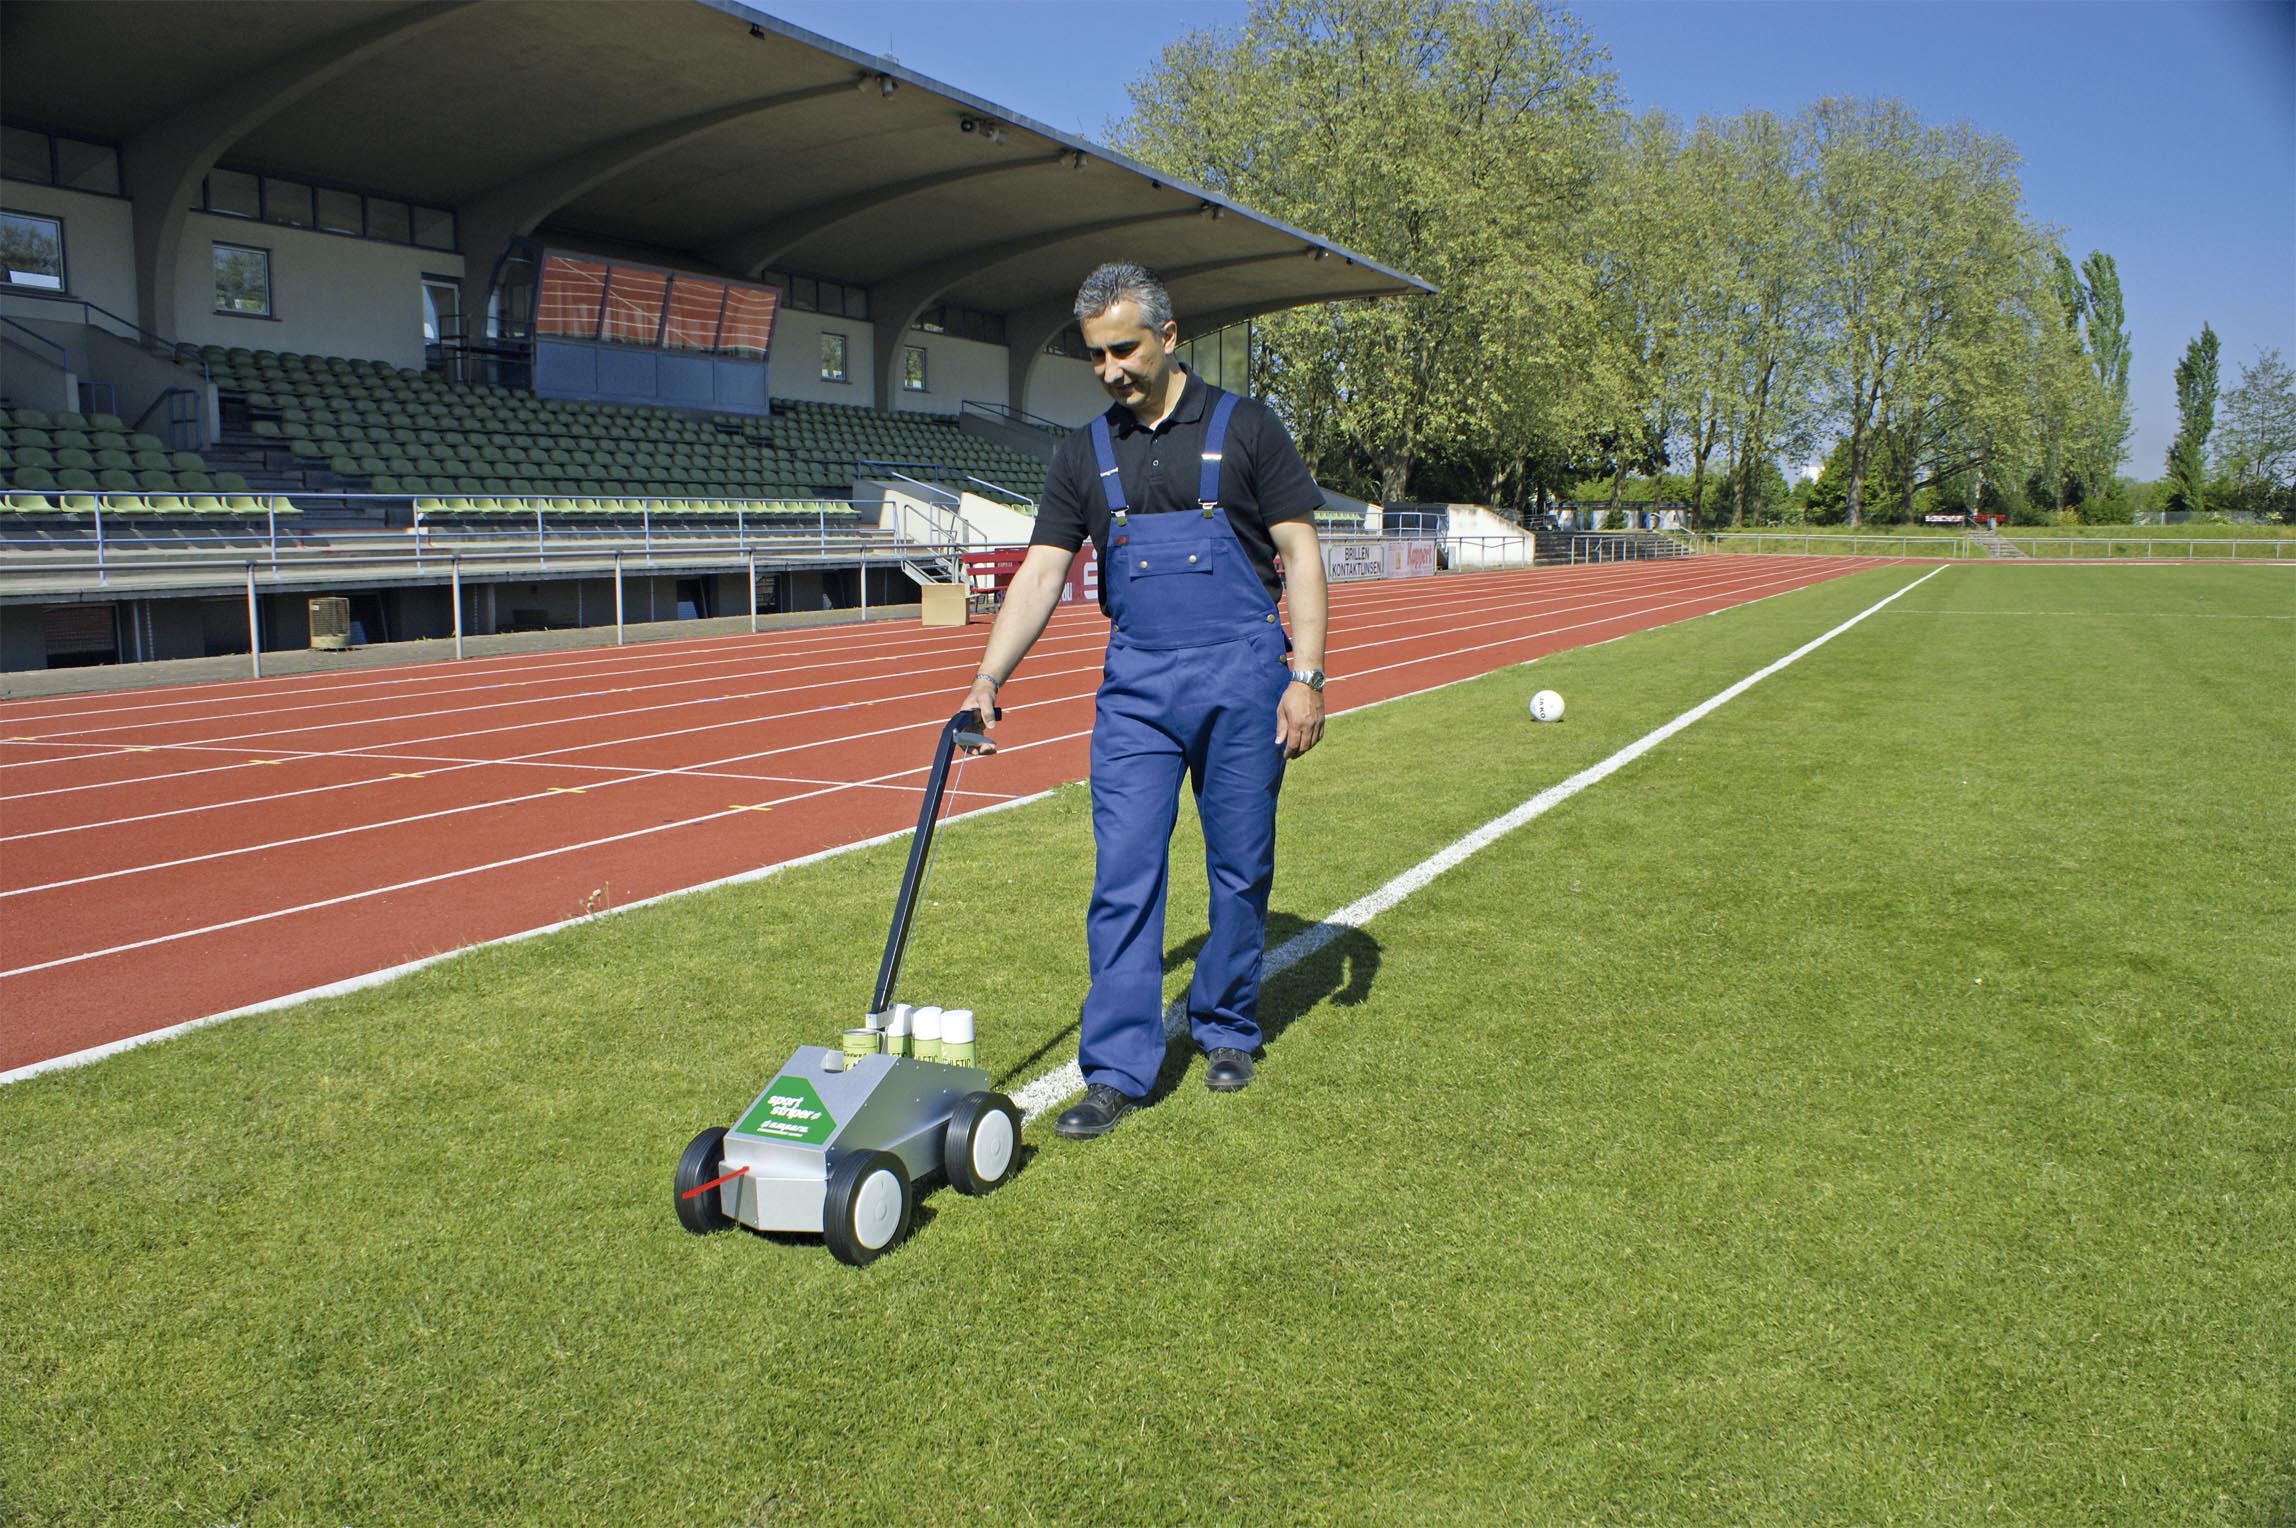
column 1181, row 554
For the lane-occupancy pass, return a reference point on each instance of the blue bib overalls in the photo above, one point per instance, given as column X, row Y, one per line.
column 1194, row 672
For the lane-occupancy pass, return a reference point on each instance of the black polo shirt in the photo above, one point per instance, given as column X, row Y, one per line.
column 1262, row 480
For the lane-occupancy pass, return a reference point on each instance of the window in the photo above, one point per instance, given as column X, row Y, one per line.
column 342, row 212
column 242, row 280
column 833, row 358
column 814, row 294
column 287, row 202
column 234, row 193
column 388, row 220
column 88, row 166
column 32, row 251
column 748, row 326
column 434, row 227
column 26, row 153
column 912, row 368
column 572, row 293
column 634, row 297
column 692, row 320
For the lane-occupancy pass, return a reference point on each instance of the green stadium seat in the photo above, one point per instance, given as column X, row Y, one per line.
column 35, row 456
column 72, row 456
column 30, row 503
column 230, row 482
column 156, row 482
column 36, row 479
column 204, row 504
column 106, row 422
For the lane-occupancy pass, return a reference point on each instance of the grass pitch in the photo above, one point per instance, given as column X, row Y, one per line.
column 1874, row 1105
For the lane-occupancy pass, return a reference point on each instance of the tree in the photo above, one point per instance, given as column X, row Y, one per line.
column 2257, row 449
column 2187, row 480
column 2106, row 339
column 1458, row 141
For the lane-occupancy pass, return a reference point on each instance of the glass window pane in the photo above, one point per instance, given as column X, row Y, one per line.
column 234, row 193
column 634, row 306
column 287, row 202
column 833, row 358
column 24, row 154
column 88, row 166
column 857, row 303
column 571, row 292
column 693, row 318
column 912, row 369
column 434, row 227
column 805, row 294
column 32, row 252
column 242, row 279
column 388, row 220
column 933, row 321
column 342, row 211
column 749, row 313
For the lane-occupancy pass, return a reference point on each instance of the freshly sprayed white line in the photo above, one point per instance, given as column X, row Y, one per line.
column 393, row 973
column 1045, row 1092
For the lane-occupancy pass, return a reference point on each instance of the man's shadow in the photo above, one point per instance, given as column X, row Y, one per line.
column 1325, row 962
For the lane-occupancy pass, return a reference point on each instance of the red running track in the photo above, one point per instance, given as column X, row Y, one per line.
column 170, row 855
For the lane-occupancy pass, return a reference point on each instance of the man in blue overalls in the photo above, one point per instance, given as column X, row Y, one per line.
column 1188, row 493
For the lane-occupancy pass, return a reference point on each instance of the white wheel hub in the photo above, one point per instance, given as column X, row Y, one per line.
column 992, row 1145
column 877, row 1209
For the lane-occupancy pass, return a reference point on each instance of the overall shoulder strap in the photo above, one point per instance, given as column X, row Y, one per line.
column 1104, row 451
column 1215, row 441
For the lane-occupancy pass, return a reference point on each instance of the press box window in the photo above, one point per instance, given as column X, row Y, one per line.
column 32, row 251
column 833, row 358
column 912, row 369
column 234, row 193
column 242, row 280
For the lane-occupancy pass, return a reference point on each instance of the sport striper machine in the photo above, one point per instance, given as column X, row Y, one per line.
column 839, row 1140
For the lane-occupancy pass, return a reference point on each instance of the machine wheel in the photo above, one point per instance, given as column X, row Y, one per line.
column 981, row 1143
column 866, row 1209
column 703, row 1161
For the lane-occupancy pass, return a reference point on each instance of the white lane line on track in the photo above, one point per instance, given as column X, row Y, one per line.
column 644, row 776
column 1088, row 649
column 1045, row 1093
column 408, row 968
column 1289, row 954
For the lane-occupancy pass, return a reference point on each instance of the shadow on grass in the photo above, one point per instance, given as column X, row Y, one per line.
column 1339, row 970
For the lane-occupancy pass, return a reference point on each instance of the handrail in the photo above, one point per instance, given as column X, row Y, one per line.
column 183, row 352
column 63, row 356
column 1011, row 415
column 1010, row 493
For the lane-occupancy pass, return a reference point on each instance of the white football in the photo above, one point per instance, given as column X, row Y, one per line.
column 1546, row 706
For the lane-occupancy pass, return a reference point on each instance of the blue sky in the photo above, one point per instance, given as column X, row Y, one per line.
column 2163, row 134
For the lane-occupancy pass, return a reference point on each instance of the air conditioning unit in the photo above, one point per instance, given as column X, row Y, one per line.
column 330, row 624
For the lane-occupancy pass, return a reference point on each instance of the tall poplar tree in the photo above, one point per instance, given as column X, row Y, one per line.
column 2187, row 483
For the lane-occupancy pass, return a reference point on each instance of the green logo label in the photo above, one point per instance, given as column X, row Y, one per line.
column 789, row 1111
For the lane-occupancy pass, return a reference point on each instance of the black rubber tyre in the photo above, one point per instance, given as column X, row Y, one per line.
column 703, row 1160
column 865, row 1212
column 982, row 1143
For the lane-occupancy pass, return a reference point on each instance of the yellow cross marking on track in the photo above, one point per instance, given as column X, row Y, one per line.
column 751, row 807
column 266, row 761
column 124, row 748
column 400, row 775
column 566, row 790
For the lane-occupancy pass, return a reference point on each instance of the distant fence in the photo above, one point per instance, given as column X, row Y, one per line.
column 2007, row 548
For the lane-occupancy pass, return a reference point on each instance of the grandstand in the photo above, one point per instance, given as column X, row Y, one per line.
column 800, row 370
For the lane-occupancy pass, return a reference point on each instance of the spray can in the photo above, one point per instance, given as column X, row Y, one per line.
column 957, row 1036
column 862, row 1042
column 897, row 1030
column 925, row 1034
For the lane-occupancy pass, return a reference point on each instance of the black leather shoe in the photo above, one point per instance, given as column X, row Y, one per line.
column 1230, row 1070
column 1102, row 1107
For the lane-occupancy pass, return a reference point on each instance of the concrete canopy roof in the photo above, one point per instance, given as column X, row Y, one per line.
column 706, row 131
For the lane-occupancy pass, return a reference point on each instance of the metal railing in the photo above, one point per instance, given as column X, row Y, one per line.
column 2038, row 548
column 179, row 351
column 63, row 360
column 1005, row 413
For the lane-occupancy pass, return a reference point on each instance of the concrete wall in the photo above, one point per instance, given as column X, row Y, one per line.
column 795, row 370
column 330, row 295
column 955, row 370
column 99, row 242
column 1064, row 390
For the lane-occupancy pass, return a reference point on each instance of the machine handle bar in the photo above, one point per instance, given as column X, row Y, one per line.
column 963, row 730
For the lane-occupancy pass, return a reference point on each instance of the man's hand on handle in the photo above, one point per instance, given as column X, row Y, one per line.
column 982, row 698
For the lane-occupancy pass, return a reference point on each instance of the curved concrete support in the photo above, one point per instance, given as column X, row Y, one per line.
column 488, row 221
column 762, row 248
column 895, row 301
column 1027, row 332
column 163, row 164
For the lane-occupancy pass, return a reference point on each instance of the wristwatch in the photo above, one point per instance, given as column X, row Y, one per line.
column 1312, row 678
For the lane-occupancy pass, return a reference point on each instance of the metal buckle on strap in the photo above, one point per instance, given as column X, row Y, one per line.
column 1121, row 517
column 1208, row 508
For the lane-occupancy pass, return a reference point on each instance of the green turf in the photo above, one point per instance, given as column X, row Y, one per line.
column 1874, row 1105
column 2133, row 543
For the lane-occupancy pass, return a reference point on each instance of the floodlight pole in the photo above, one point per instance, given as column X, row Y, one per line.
column 254, row 627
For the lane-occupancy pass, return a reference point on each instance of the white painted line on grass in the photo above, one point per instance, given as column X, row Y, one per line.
column 1048, row 1091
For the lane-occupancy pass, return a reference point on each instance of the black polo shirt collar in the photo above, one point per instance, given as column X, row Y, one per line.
column 1194, row 394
